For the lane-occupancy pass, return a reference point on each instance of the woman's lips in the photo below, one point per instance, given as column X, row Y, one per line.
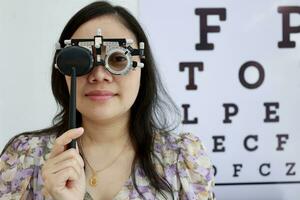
column 100, row 95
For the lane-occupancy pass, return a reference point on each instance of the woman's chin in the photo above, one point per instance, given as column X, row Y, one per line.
column 103, row 115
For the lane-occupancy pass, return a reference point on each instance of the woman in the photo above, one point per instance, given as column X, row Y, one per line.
column 126, row 149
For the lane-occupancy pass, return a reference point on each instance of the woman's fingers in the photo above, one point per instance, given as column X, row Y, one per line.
column 68, row 154
column 68, row 174
column 64, row 139
column 73, row 163
column 63, row 172
column 57, row 182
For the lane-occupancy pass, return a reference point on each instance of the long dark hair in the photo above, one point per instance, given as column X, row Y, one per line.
column 152, row 112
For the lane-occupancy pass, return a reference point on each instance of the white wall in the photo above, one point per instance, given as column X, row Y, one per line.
column 28, row 32
column 250, row 31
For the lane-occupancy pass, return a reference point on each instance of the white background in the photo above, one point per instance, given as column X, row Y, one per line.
column 251, row 31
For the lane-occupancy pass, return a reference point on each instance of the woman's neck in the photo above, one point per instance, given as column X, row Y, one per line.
column 106, row 134
column 103, row 142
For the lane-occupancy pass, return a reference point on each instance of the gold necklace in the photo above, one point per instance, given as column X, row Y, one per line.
column 93, row 178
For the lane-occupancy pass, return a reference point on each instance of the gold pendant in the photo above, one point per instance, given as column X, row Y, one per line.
column 93, row 181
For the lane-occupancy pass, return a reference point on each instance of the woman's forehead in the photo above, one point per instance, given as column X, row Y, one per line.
column 110, row 26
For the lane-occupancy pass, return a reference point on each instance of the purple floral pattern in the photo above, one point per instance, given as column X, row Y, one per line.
column 186, row 166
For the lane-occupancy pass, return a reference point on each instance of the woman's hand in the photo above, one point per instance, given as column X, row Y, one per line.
column 63, row 172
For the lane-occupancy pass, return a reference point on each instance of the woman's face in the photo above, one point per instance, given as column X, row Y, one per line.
column 119, row 91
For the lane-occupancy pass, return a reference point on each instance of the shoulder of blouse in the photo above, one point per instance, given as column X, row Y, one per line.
column 173, row 143
column 18, row 162
column 187, row 165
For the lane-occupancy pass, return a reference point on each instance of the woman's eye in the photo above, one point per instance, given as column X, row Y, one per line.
column 120, row 59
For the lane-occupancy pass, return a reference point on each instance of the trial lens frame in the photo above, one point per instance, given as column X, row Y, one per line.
column 68, row 61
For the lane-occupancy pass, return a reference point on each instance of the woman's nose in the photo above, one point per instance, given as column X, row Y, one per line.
column 99, row 74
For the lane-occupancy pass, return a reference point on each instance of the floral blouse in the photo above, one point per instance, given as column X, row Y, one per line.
column 186, row 167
